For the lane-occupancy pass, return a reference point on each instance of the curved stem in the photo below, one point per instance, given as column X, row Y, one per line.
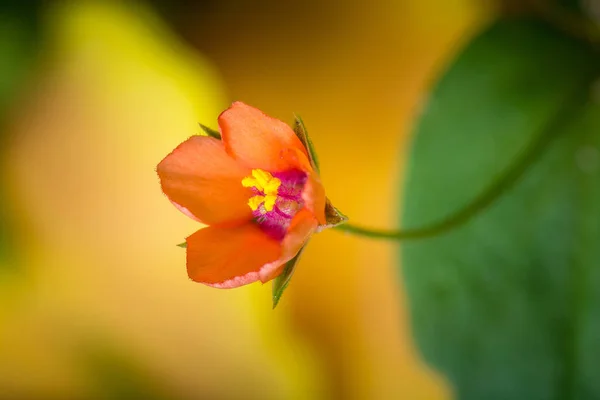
column 487, row 197
column 498, row 187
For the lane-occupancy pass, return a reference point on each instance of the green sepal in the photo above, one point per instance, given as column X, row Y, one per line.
column 210, row 132
column 300, row 131
column 182, row 245
column 282, row 281
column 333, row 217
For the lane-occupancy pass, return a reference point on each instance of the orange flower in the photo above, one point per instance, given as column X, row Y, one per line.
column 257, row 189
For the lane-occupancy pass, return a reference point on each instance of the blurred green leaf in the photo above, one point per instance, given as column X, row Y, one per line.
column 15, row 56
column 116, row 375
column 570, row 5
column 507, row 305
column 531, row 5
column 19, row 45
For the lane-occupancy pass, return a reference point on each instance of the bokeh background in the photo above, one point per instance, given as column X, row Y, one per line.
column 94, row 297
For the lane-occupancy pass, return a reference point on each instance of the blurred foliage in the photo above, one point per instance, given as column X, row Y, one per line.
column 506, row 306
column 534, row 6
column 572, row 5
column 20, row 37
column 114, row 374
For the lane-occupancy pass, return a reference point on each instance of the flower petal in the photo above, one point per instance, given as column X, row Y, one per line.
column 314, row 197
column 301, row 228
column 204, row 182
column 229, row 257
column 256, row 139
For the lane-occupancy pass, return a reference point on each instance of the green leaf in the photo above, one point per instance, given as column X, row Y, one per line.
column 183, row 245
column 282, row 281
column 210, row 132
column 302, row 134
column 507, row 305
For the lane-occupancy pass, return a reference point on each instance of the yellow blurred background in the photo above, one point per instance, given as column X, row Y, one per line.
column 101, row 306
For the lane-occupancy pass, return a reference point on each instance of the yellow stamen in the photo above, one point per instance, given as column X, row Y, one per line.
column 250, row 182
column 267, row 184
column 270, row 200
column 263, row 181
column 255, row 202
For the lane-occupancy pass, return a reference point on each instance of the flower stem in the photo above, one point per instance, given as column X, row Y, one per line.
column 463, row 215
column 506, row 180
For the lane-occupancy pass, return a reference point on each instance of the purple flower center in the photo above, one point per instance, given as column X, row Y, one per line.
column 277, row 199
